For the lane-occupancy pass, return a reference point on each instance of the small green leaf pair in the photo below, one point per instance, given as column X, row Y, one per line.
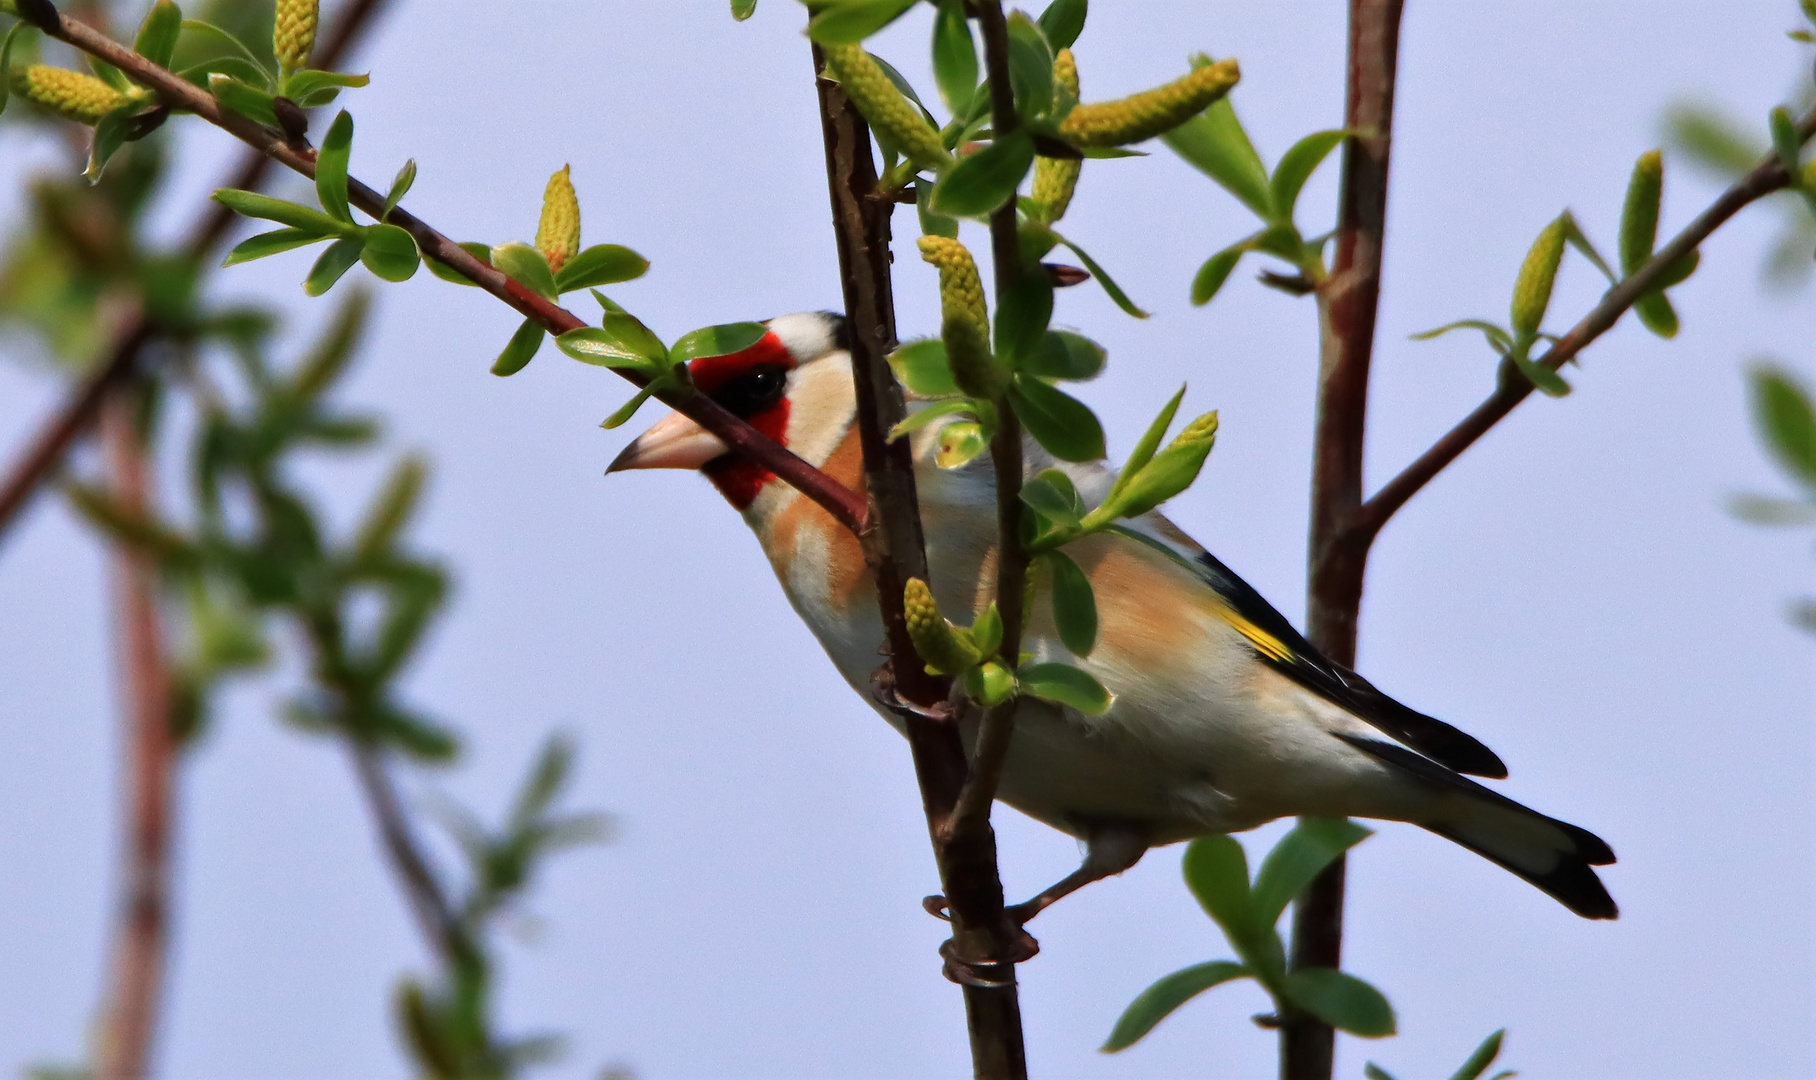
column 1472, row 1068
column 387, row 250
column 1215, row 143
column 1216, row 870
column 621, row 342
column 241, row 81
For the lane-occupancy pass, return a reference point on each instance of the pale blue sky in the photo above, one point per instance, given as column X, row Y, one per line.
column 1571, row 591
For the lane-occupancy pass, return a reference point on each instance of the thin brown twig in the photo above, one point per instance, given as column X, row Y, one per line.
column 1347, row 304
column 139, row 950
column 62, row 430
column 846, row 506
column 1765, row 178
column 428, row 902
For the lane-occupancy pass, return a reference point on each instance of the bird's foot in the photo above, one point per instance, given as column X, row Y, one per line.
column 1018, row 946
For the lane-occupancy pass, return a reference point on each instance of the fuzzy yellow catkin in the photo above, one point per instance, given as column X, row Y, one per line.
column 1151, row 112
column 1532, row 290
column 891, row 114
column 1055, row 178
column 937, row 641
column 293, row 34
column 964, row 320
column 70, row 94
column 558, row 233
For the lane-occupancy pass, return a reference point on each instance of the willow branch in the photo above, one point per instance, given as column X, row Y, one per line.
column 62, row 430
column 428, row 903
column 1765, row 178
column 844, row 504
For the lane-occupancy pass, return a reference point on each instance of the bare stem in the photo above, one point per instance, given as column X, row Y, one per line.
column 428, row 903
column 844, row 504
column 141, row 940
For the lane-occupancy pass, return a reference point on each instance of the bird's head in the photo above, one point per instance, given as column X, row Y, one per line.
column 794, row 386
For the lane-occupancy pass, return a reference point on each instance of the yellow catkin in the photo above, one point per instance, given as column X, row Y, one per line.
column 964, row 320
column 1151, row 112
column 558, row 234
column 1055, row 178
column 70, row 94
column 891, row 114
column 941, row 647
column 293, row 35
column 1532, row 289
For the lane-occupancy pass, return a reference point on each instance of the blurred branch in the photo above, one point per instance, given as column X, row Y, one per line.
column 846, row 506
column 1765, row 178
column 140, row 945
column 62, row 430
column 1348, row 301
column 428, row 902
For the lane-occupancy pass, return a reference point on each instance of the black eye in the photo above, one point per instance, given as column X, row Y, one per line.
column 754, row 391
column 766, row 382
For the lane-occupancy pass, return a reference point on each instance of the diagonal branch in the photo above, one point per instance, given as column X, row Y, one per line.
column 1765, row 178
column 429, row 904
column 78, row 414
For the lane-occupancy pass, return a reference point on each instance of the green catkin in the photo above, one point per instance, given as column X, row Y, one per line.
column 891, row 114
column 70, row 94
column 1055, row 178
column 558, row 233
column 1151, row 112
column 293, row 34
column 938, row 642
column 964, row 320
column 1639, row 217
column 1532, row 290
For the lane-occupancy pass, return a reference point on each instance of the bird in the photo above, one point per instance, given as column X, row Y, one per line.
column 1223, row 716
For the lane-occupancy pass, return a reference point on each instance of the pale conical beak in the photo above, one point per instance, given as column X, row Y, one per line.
column 673, row 442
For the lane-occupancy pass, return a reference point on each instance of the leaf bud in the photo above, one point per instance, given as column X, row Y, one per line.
column 293, row 32
column 558, row 234
column 1532, row 290
column 891, row 114
column 989, row 684
column 1151, row 112
column 944, row 648
column 1639, row 217
column 72, row 95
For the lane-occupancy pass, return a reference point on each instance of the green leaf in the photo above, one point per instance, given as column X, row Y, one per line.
column 1059, row 422
column 1301, row 855
column 720, row 340
column 1341, row 1000
column 400, row 186
column 1215, row 144
column 1656, row 314
column 847, row 22
column 232, row 66
column 1158, row 1001
column 622, row 342
column 1680, row 270
column 110, row 135
column 6, row 61
column 1540, row 376
column 601, row 264
column 743, row 9
column 987, row 631
column 1484, row 1056
column 1216, row 870
column 1169, row 473
column 1053, row 495
column 960, row 442
column 1784, row 415
column 954, row 56
column 242, row 98
column 391, row 509
column 1150, row 442
column 109, row 74
column 252, row 204
column 1712, row 138
column 271, row 243
column 629, row 408
column 522, row 347
column 390, row 253
column 979, row 183
column 1066, row 685
column 1785, row 140
column 1074, row 604
column 1498, row 339
column 1063, row 21
column 217, row 36
column 1215, row 271
column 1110, row 288
column 1065, row 355
column 1022, row 315
column 1639, row 213
column 926, row 415
column 527, row 266
column 1578, row 239
column 157, row 38
column 482, row 252
column 922, row 367
column 337, row 260
column 310, row 88
column 1296, row 167
column 1371, row 1071
column 1030, row 66
column 933, row 223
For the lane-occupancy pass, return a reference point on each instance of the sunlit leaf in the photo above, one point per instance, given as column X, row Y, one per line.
column 1062, row 424
column 1065, row 685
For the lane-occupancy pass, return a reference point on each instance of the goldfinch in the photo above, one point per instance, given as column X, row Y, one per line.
column 1223, row 717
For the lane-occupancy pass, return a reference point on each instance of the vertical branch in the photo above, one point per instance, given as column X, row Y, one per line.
column 428, row 903
column 895, row 550
column 1347, row 304
column 140, row 941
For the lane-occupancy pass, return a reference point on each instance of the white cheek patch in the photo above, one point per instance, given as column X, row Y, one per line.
column 821, row 405
column 807, row 336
